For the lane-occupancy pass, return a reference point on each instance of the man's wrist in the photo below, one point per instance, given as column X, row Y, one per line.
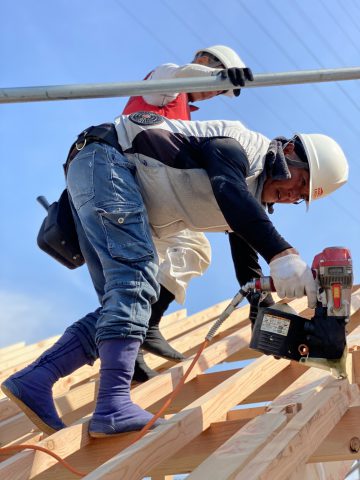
column 288, row 251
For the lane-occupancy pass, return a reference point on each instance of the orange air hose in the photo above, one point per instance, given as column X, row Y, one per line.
column 65, row 464
column 176, row 390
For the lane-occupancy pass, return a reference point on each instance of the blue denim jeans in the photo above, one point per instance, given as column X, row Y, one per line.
column 115, row 239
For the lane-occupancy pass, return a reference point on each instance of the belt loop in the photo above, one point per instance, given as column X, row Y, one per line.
column 80, row 144
column 104, row 133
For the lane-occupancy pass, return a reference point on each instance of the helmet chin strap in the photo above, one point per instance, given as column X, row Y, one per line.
column 277, row 163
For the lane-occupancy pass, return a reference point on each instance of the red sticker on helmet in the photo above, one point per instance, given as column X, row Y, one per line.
column 318, row 192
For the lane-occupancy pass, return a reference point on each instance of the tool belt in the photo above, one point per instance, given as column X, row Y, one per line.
column 104, row 133
column 57, row 235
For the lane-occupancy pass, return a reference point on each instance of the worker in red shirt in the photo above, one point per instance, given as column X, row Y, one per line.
column 187, row 254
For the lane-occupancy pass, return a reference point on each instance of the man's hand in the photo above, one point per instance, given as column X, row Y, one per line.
column 292, row 277
column 237, row 77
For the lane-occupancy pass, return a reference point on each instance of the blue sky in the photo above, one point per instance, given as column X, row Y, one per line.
column 70, row 42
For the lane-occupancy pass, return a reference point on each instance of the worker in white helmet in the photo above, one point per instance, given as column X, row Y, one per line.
column 187, row 254
column 146, row 176
column 216, row 60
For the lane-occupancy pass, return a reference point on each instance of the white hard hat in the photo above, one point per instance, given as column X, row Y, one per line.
column 328, row 166
column 227, row 56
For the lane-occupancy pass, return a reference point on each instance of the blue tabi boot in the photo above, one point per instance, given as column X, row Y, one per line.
column 31, row 388
column 115, row 413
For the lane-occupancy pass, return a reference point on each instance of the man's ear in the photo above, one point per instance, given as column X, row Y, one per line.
column 289, row 148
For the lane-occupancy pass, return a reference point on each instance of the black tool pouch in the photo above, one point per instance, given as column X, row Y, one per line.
column 57, row 236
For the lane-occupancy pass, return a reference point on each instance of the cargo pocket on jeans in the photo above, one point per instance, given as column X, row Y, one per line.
column 127, row 234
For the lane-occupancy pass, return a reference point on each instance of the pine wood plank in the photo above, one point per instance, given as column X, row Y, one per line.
column 293, row 446
column 343, row 442
column 137, row 460
column 148, row 395
column 153, row 390
column 27, row 353
column 15, row 347
column 233, row 455
column 322, row 471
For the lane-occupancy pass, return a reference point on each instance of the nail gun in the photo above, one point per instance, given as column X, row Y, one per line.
column 321, row 341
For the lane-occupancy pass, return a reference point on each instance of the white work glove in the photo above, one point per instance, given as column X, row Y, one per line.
column 293, row 278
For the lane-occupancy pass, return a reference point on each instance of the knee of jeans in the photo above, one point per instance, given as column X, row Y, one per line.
column 127, row 233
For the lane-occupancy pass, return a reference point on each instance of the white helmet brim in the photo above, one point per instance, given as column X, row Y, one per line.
column 328, row 166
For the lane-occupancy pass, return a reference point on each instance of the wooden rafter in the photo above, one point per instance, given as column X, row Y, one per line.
column 309, row 417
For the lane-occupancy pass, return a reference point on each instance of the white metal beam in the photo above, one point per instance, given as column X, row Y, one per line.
column 202, row 84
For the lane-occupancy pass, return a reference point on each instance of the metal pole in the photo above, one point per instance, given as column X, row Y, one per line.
column 200, row 84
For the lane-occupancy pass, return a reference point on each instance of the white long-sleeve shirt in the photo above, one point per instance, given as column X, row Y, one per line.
column 171, row 70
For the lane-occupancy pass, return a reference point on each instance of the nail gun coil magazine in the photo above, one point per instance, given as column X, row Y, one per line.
column 278, row 333
column 286, row 335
